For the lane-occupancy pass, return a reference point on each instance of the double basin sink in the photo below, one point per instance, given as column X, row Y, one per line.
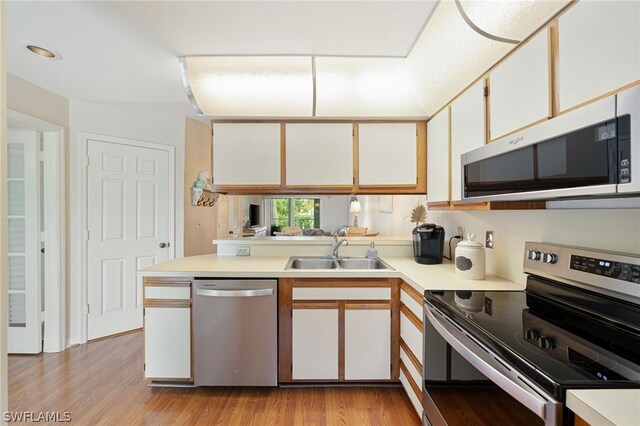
column 304, row 262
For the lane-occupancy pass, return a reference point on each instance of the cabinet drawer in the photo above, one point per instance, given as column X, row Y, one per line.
column 411, row 335
column 413, row 371
column 342, row 293
column 415, row 400
column 174, row 293
column 411, row 303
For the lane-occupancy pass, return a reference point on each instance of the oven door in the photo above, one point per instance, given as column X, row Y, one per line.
column 437, row 397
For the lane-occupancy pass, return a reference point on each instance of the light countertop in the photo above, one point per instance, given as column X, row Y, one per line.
column 598, row 407
column 421, row 277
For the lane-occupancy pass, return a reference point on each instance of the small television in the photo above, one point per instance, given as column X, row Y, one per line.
column 254, row 215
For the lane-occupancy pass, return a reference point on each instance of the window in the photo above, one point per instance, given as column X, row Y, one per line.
column 302, row 212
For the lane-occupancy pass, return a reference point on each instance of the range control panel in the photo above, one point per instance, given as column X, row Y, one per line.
column 615, row 274
column 606, row 268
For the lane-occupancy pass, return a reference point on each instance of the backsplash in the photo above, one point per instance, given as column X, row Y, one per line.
column 610, row 229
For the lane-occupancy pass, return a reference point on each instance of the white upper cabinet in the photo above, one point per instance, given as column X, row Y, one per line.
column 438, row 157
column 388, row 154
column 599, row 49
column 467, row 131
column 246, row 154
column 519, row 92
column 319, row 154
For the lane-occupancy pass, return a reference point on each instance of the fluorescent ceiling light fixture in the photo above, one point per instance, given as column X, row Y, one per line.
column 373, row 87
column 41, row 51
column 246, row 86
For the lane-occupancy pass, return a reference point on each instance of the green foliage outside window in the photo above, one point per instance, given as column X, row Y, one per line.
column 302, row 212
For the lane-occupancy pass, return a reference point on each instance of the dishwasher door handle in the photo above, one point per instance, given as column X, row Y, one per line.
column 235, row 293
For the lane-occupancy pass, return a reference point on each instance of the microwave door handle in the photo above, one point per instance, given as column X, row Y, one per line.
column 549, row 410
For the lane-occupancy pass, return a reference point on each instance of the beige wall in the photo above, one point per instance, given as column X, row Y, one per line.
column 606, row 229
column 199, row 222
column 37, row 102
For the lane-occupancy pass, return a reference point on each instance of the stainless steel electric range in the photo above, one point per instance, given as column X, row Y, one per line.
column 576, row 326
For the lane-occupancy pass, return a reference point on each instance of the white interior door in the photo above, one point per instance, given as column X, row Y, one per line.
column 23, row 179
column 128, row 222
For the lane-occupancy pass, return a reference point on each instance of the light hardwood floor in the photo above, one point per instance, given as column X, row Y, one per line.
column 102, row 383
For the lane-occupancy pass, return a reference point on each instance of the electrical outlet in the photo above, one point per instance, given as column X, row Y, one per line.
column 488, row 240
column 243, row 250
column 460, row 231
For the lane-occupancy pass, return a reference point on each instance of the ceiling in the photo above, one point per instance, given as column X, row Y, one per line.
column 125, row 53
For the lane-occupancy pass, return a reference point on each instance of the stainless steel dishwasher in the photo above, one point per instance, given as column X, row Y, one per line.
column 236, row 332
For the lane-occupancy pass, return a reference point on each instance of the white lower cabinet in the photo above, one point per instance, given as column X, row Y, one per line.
column 411, row 346
column 336, row 330
column 367, row 346
column 415, row 400
column 167, row 340
column 314, row 344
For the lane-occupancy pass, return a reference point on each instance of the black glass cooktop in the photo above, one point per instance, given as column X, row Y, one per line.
column 560, row 339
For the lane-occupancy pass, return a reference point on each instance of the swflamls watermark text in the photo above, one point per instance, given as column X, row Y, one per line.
column 31, row 416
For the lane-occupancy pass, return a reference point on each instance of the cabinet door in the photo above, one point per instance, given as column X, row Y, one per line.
column 319, row 154
column 438, row 157
column 314, row 344
column 387, row 154
column 367, row 346
column 246, row 154
column 599, row 49
column 519, row 92
column 167, row 339
column 467, row 131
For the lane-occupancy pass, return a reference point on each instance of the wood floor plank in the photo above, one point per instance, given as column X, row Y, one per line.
column 101, row 383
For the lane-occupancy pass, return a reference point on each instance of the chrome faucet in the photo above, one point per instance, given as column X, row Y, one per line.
column 336, row 245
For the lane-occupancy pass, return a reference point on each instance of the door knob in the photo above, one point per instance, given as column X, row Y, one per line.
column 163, row 245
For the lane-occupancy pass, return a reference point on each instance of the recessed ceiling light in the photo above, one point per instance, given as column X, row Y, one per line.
column 41, row 51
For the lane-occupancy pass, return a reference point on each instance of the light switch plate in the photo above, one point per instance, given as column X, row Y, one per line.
column 488, row 240
column 243, row 250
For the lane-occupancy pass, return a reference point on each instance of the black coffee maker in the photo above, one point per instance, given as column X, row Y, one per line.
column 428, row 243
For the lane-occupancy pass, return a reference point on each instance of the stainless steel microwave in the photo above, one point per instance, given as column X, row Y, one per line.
column 593, row 151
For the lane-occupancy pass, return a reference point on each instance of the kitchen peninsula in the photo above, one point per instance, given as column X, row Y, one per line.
column 335, row 325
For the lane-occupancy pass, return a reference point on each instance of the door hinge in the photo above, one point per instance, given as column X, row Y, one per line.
column 486, row 91
column 87, row 309
column 144, row 366
column 42, row 156
column 87, row 236
column 144, row 311
column 354, row 180
column 353, row 132
column 291, row 368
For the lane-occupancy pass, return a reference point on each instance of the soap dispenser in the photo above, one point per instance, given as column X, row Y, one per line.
column 372, row 252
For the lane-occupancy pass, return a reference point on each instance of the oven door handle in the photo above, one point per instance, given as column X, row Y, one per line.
column 489, row 365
